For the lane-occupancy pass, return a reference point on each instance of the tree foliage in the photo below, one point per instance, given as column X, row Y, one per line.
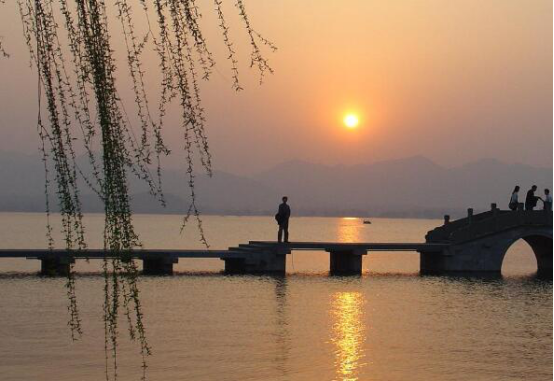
column 71, row 44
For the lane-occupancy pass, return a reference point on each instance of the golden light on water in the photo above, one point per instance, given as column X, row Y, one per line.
column 349, row 229
column 348, row 334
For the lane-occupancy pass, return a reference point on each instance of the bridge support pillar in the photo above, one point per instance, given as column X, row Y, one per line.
column 347, row 262
column 56, row 265
column 158, row 265
column 434, row 263
column 544, row 268
column 234, row 265
column 542, row 247
column 274, row 263
column 479, row 257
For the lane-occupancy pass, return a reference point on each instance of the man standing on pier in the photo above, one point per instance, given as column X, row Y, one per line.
column 282, row 218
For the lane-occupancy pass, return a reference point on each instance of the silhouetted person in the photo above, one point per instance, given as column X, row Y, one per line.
column 514, row 199
column 531, row 199
column 282, row 218
column 547, row 202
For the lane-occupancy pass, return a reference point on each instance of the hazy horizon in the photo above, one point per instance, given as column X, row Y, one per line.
column 176, row 166
column 409, row 187
column 452, row 81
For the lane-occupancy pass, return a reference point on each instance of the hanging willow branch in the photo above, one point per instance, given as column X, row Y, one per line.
column 3, row 52
column 71, row 44
column 256, row 57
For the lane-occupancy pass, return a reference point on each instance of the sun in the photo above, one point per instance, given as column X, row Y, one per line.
column 351, row 121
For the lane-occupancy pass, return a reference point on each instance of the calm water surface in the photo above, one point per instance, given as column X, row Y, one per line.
column 389, row 324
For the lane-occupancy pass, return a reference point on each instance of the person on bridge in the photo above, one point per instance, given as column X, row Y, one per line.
column 531, row 199
column 282, row 218
column 547, row 202
column 514, row 199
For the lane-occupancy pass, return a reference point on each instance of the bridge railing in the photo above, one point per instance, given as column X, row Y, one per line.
column 443, row 233
column 498, row 222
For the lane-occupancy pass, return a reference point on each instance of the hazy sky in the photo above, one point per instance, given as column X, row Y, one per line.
column 453, row 80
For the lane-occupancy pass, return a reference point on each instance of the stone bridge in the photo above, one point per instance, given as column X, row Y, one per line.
column 478, row 243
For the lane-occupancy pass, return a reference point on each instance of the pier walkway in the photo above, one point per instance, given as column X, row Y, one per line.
column 254, row 257
column 475, row 243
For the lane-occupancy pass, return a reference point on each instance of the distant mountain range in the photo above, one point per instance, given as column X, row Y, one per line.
column 410, row 187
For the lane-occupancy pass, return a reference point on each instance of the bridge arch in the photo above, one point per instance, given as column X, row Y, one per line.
column 493, row 249
column 480, row 242
column 540, row 244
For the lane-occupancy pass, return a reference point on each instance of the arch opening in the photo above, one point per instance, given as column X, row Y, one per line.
column 529, row 255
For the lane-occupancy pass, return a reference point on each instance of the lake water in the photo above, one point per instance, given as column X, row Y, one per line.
column 389, row 324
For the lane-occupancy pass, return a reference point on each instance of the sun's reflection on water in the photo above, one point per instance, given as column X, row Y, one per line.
column 348, row 334
column 349, row 229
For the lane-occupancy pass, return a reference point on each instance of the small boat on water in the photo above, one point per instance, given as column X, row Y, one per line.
column 367, row 222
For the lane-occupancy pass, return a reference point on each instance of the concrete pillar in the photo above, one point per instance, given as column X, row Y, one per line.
column 542, row 247
column 494, row 211
column 431, row 263
column 471, row 258
column 56, row 265
column 346, row 262
column 269, row 263
column 158, row 265
column 469, row 215
column 263, row 262
column 234, row 266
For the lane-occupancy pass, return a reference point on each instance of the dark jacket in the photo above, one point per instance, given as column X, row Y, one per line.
column 284, row 214
column 531, row 199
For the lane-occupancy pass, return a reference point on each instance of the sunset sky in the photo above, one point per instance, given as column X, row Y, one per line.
column 455, row 81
